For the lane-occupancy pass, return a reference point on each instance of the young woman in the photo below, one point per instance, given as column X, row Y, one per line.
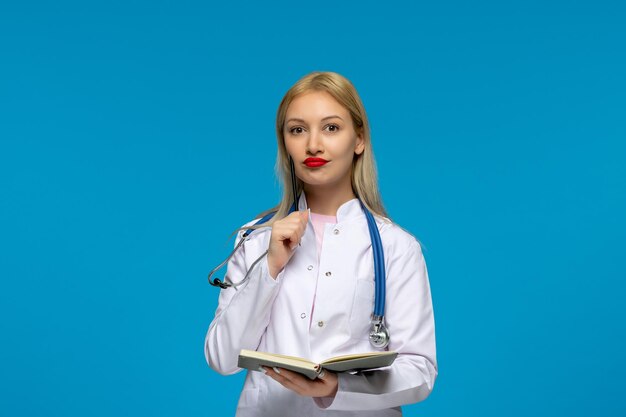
column 312, row 295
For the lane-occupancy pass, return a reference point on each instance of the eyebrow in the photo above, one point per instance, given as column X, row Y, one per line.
column 295, row 119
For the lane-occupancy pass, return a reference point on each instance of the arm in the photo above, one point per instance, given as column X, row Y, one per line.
column 242, row 315
column 409, row 318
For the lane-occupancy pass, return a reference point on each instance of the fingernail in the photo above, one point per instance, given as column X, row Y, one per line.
column 262, row 369
column 276, row 370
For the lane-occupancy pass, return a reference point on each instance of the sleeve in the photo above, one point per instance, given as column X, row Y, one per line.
column 410, row 321
column 242, row 315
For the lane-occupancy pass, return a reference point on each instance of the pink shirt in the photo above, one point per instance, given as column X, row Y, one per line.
column 319, row 223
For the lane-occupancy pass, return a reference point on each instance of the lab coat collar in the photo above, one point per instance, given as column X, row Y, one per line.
column 349, row 210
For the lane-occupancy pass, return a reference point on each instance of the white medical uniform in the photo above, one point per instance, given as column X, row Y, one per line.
column 317, row 310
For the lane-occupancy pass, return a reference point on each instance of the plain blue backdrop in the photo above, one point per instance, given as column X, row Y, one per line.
column 136, row 136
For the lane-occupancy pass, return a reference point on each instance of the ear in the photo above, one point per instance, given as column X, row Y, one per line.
column 360, row 144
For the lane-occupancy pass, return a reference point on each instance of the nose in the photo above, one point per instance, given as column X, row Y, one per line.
column 314, row 143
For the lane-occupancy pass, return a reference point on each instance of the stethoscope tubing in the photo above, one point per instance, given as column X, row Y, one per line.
column 379, row 263
column 379, row 335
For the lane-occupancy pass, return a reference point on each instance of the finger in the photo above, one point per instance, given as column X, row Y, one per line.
column 294, row 379
column 291, row 386
column 289, row 236
column 290, row 230
column 304, row 383
column 295, row 238
column 297, row 218
column 286, row 230
column 294, row 243
column 278, row 377
column 294, row 217
column 304, row 217
column 301, row 229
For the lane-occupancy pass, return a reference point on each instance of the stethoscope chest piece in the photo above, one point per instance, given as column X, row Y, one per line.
column 379, row 335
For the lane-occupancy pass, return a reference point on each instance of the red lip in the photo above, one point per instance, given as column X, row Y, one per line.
column 314, row 162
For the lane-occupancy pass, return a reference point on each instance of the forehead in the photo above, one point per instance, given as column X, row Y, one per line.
column 315, row 105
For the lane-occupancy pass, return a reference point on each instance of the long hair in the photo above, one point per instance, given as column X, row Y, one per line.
column 363, row 174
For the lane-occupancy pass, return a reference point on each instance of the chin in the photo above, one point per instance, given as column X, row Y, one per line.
column 316, row 182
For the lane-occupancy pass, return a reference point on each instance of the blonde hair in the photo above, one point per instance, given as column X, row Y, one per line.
column 363, row 175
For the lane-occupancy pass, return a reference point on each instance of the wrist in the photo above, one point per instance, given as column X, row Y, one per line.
column 274, row 271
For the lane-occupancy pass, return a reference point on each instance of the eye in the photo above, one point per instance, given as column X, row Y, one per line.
column 296, row 130
column 332, row 128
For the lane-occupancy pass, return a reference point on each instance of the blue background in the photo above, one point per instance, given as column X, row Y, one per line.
column 125, row 130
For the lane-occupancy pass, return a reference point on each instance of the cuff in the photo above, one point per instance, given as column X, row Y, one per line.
column 323, row 402
column 343, row 400
column 326, row 402
column 265, row 273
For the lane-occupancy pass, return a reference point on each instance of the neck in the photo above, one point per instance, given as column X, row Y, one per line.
column 326, row 201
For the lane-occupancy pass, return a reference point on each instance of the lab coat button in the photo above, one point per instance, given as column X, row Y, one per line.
column 309, row 267
column 328, row 273
column 336, row 231
column 320, row 323
column 303, row 316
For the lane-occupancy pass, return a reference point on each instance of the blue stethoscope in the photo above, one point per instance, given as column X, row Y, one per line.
column 378, row 334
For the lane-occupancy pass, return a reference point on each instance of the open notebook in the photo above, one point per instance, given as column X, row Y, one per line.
column 253, row 360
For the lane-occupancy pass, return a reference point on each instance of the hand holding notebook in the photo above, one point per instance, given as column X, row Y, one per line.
column 253, row 360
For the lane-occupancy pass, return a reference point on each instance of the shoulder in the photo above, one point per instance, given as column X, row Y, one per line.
column 397, row 239
column 257, row 231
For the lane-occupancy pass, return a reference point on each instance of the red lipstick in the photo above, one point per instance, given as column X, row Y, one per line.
column 314, row 162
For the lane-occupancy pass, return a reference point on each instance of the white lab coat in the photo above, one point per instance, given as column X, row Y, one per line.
column 318, row 310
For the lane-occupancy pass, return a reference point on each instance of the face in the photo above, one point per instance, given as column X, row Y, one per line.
column 320, row 137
